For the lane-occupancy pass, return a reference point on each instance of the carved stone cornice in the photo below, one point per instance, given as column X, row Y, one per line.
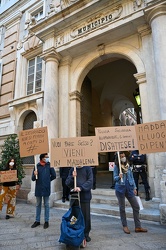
column 75, row 95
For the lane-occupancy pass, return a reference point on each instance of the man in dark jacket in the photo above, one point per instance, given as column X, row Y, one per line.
column 43, row 175
column 84, row 184
column 139, row 169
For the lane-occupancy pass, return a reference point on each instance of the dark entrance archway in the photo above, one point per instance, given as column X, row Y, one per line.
column 107, row 91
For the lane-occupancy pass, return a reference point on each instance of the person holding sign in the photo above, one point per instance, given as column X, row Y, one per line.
column 84, row 185
column 43, row 174
column 139, row 165
column 9, row 190
column 125, row 187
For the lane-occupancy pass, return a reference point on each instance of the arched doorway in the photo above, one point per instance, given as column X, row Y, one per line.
column 107, row 100
column 28, row 124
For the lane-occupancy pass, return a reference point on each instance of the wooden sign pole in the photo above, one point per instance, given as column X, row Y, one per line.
column 120, row 168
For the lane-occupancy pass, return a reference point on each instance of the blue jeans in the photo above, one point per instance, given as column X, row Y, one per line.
column 46, row 208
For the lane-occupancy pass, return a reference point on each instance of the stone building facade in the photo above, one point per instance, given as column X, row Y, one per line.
column 73, row 65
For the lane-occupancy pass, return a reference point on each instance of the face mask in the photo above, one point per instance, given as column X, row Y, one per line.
column 123, row 159
column 11, row 163
column 46, row 160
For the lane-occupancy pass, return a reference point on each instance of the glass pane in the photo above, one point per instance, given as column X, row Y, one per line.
column 31, row 70
column 39, row 66
column 30, row 78
column 38, row 75
column 39, row 60
column 32, row 62
column 38, row 86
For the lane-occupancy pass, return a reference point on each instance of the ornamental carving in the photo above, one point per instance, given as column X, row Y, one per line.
column 56, row 6
column 97, row 21
column 138, row 4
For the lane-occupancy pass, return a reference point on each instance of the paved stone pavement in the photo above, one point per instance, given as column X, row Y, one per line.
column 17, row 234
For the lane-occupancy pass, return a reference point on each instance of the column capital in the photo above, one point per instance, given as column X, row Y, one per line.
column 159, row 10
column 51, row 55
column 140, row 77
column 75, row 95
column 66, row 61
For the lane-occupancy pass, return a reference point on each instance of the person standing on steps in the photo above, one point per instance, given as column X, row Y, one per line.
column 9, row 189
column 139, row 165
column 125, row 188
column 43, row 176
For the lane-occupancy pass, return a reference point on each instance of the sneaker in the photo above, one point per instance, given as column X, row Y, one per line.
column 46, row 225
column 63, row 200
column 35, row 224
column 88, row 239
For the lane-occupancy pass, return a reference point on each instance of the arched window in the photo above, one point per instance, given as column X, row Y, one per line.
column 28, row 124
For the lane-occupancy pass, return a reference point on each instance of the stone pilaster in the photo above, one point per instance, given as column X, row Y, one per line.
column 75, row 114
column 64, row 76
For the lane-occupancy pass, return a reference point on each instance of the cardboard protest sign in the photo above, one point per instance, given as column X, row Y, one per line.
column 8, row 176
column 33, row 141
column 74, row 151
column 151, row 137
column 112, row 139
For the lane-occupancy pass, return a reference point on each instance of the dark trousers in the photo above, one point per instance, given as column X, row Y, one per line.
column 134, row 204
column 85, row 207
column 66, row 189
column 144, row 180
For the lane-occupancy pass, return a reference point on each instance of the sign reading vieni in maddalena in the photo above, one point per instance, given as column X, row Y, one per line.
column 74, row 151
column 112, row 139
column 151, row 137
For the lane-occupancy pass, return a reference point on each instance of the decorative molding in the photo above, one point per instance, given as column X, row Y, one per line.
column 144, row 30
column 158, row 11
column 101, row 49
column 75, row 95
column 51, row 54
column 140, row 77
column 55, row 8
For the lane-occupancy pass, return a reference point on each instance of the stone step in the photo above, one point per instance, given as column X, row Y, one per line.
column 105, row 202
column 112, row 200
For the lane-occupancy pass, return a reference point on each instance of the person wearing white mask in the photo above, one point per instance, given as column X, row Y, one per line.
column 125, row 188
column 43, row 174
column 9, row 191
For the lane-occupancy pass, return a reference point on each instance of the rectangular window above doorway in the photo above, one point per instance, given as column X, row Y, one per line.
column 34, row 80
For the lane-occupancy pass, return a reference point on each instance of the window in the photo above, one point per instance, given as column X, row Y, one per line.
column 34, row 75
column 38, row 14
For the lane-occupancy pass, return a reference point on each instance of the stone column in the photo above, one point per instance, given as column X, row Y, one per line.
column 64, row 74
column 51, row 108
column 51, row 96
column 75, row 114
column 157, row 20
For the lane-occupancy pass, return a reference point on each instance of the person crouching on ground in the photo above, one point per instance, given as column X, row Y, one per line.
column 84, row 185
column 45, row 174
column 125, row 187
